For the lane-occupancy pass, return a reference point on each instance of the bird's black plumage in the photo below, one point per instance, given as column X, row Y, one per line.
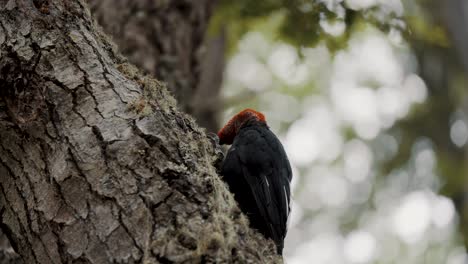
column 258, row 173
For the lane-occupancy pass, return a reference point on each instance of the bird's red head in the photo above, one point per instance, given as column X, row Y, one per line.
column 229, row 131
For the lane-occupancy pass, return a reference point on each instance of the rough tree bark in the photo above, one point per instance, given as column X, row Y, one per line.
column 166, row 39
column 7, row 254
column 96, row 163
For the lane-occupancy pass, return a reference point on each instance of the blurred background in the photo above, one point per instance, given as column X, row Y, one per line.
column 369, row 98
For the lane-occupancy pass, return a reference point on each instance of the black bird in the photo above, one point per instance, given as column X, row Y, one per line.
column 258, row 173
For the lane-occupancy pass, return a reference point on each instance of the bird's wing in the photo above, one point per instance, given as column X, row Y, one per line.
column 266, row 170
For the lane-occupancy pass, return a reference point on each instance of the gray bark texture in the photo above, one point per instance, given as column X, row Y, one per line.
column 167, row 40
column 7, row 254
column 97, row 165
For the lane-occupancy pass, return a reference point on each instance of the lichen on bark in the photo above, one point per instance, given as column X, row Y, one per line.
column 83, row 178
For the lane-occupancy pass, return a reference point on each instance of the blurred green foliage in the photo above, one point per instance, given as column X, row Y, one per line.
column 296, row 22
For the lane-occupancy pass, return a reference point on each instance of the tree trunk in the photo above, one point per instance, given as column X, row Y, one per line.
column 455, row 18
column 96, row 163
column 452, row 63
column 7, row 254
column 166, row 39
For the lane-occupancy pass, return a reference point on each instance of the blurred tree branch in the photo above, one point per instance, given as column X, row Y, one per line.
column 444, row 68
column 168, row 40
